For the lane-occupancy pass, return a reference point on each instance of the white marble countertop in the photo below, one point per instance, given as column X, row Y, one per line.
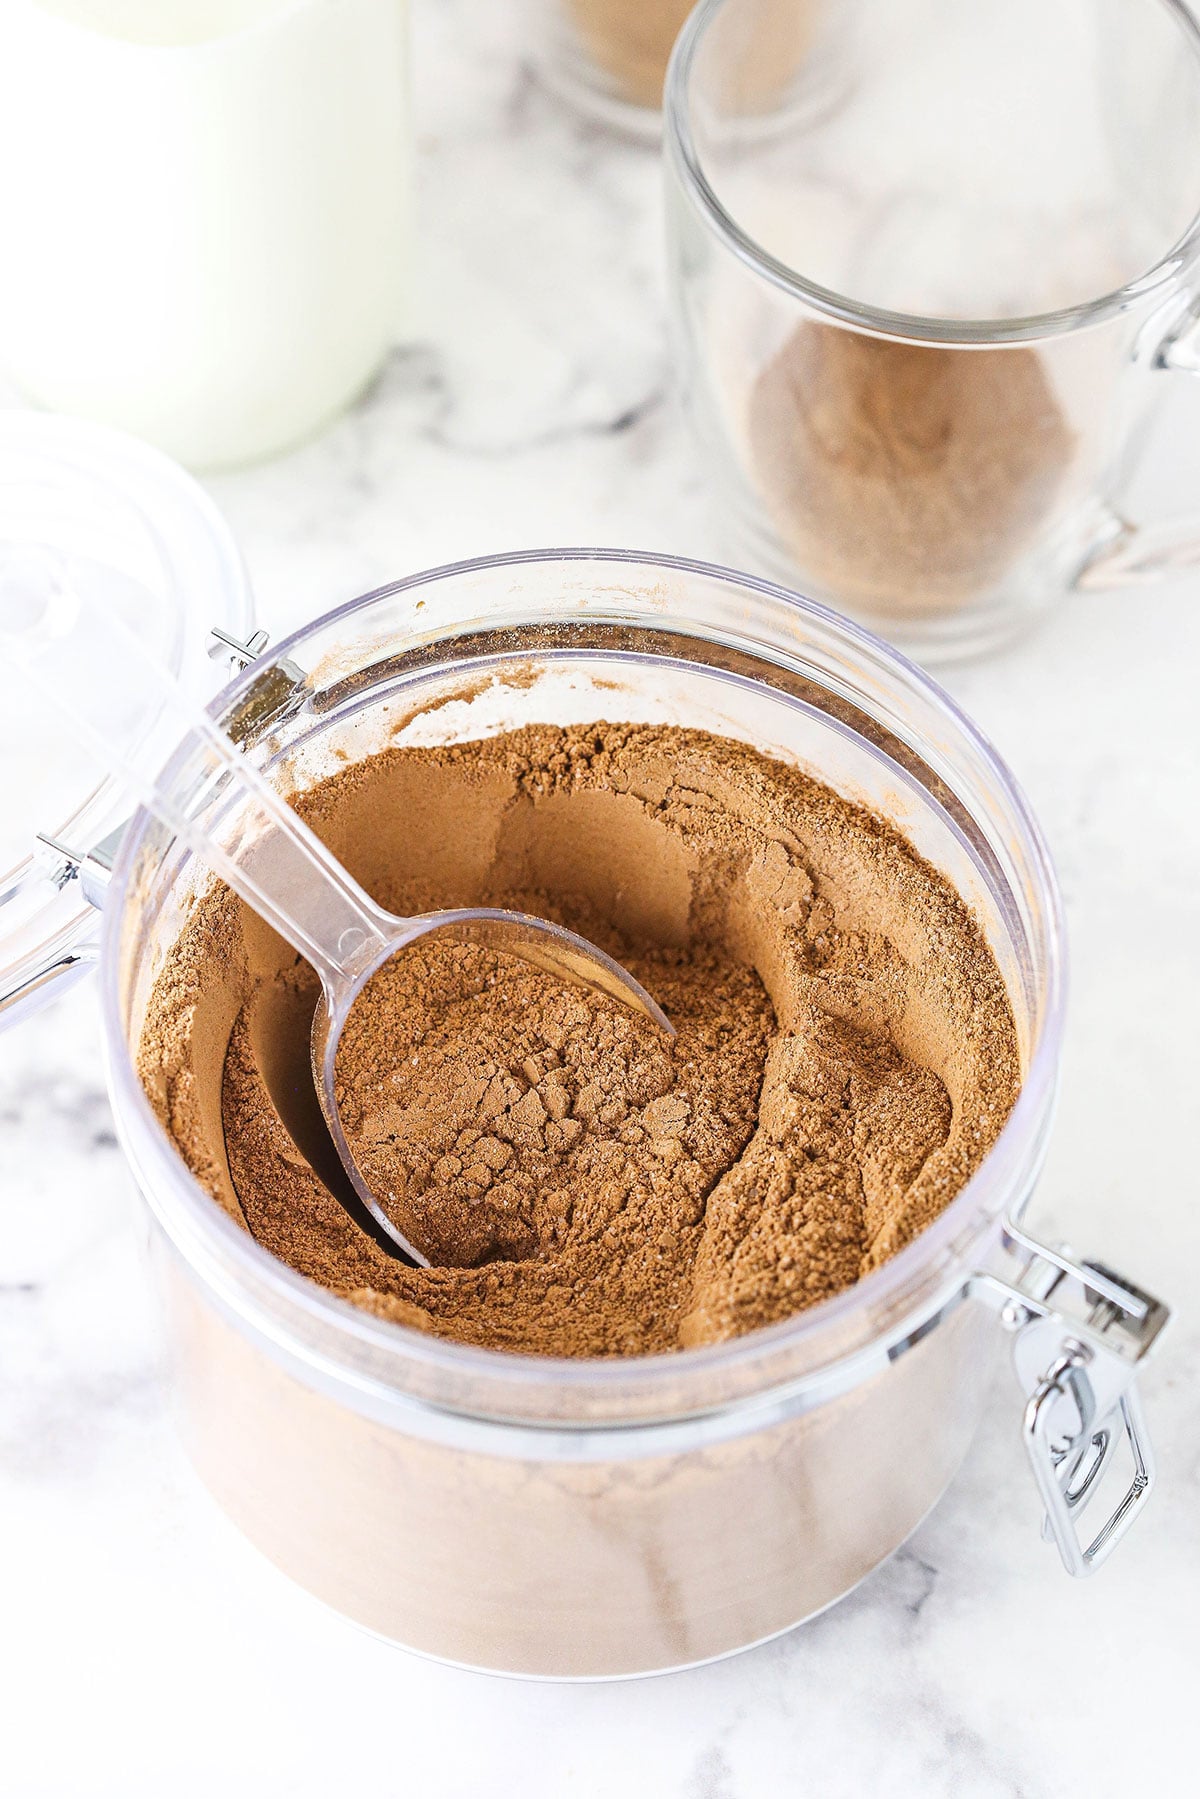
column 145, row 1648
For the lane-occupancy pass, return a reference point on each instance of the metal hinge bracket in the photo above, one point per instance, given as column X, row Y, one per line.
column 91, row 868
column 273, row 697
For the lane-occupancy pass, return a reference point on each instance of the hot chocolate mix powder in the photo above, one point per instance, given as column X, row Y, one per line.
column 906, row 478
column 845, row 1051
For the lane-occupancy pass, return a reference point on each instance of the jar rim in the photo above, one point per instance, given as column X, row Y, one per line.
column 903, row 1294
column 683, row 156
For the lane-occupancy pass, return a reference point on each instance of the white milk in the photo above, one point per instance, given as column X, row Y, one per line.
column 203, row 212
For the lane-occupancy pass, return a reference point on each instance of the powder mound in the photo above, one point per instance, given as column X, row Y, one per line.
column 905, row 477
column 498, row 1114
column 845, row 1127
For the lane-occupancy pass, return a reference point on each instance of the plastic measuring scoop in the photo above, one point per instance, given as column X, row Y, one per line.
column 267, row 854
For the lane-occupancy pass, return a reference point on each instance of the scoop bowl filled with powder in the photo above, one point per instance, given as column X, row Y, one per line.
column 701, row 1339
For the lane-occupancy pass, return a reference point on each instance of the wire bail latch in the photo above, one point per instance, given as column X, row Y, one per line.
column 1080, row 1333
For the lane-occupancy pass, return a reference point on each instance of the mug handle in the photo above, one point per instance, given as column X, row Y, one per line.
column 1132, row 553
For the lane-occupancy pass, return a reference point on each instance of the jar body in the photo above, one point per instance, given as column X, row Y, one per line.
column 571, row 1566
column 208, row 238
column 590, row 1518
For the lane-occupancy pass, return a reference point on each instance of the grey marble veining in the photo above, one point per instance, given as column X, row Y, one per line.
column 145, row 1647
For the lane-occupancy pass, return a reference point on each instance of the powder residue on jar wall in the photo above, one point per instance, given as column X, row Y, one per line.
column 845, row 1052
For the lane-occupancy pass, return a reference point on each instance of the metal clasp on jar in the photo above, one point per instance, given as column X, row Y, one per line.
column 1080, row 1335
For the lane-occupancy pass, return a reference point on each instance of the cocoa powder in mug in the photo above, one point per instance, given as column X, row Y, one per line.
column 845, row 1055
column 764, row 46
column 631, row 40
column 905, row 478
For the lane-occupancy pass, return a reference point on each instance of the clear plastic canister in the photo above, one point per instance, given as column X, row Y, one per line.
column 595, row 1518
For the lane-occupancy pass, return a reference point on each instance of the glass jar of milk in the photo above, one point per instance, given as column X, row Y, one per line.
column 203, row 212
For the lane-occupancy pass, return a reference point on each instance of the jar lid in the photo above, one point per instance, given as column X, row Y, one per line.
column 113, row 511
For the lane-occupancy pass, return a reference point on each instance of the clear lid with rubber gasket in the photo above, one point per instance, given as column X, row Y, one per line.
column 114, row 512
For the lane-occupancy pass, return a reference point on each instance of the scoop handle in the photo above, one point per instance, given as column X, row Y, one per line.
column 59, row 632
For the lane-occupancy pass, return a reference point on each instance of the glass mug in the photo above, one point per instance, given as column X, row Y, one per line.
column 609, row 57
column 917, row 325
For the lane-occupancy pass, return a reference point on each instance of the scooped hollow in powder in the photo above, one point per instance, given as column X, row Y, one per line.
column 845, row 1054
